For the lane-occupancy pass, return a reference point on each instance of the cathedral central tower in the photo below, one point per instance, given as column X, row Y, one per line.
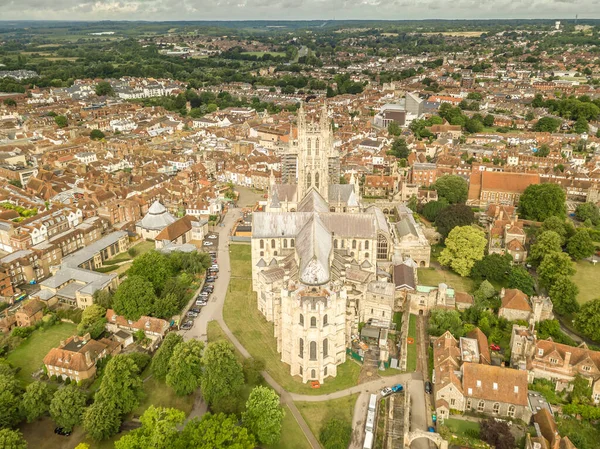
column 315, row 147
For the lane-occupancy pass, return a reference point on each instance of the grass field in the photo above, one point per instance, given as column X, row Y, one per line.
column 256, row 334
column 318, row 413
column 161, row 395
column 31, row 352
column 411, row 349
column 586, row 279
column 433, row 277
column 140, row 248
column 459, row 426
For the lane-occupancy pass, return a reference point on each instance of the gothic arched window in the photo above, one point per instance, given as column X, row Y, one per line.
column 262, row 244
column 313, row 322
column 308, row 181
column 285, row 243
column 317, row 179
column 325, row 320
column 366, row 244
column 272, row 243
column 292, row 243
column 313, row 350
column 325, row 348
column 301, row 320
column 317, row 146
column 301, row 349
column 353, row 244
column 308, row 146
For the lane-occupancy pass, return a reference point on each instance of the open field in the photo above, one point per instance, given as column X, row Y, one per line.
column 30, row 354
column 262, row 53
column 256, row 334
column 458, row 33
column 435, row 276
column 318, row 413
column 160, row 394
column 586, row 279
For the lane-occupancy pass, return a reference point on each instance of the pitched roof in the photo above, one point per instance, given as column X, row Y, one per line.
column 515, row 299
column 510, row 384
column 508, row 182
column 404, row 276
column 145, row 323
column 71, row 354
column 176, row 229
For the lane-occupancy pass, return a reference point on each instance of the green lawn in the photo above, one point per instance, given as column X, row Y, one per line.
column 586, row 279
column 411, row 349
column 256, row 334
column 30, row 354
column 140, row 248
column 318, row 413
column 457, row 432
column 433, row 277
column 161, row 395
column 459, row 426
column 292, row 436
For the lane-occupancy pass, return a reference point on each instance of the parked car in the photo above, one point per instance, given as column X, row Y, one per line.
column 397, row 388
column 210, row 279
column 494, row 347
column 213, row 236
column 61, row 431
column 428, row 387
column 192, row 314
column 187, row 325
column 195, row 309
column 430, row 429
column 201, row 302
column 386, row 391
column 208, row 243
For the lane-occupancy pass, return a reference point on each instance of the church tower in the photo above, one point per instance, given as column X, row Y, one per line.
column 315, row 147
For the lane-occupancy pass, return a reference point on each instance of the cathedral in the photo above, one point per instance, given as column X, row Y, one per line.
column 320, row 258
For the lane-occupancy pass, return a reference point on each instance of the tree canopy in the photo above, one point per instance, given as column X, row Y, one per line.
column 161, row 360
column 93, row 320
column 134, row 298
column 465, row 245
column 453, row 216
column 12, row 439
column 547, row 242
column 154, row 267
column 555, row 266
column 185, row 367
column 10, row 399
column 216, row 432
column 563, row 294
column 540, row 201
column 264, row 415
column 581, row 245
column 588, row 320
column 36, row 400
column 442, row 320
column 493, row 267
column 223, row 375
column 336, row 433
column 67, row 406
column 453, row 188
column 158, row 431
column 588, row 211
column 103, row 88
column 520, row 278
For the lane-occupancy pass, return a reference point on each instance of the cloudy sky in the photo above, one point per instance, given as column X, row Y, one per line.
column 293, row 9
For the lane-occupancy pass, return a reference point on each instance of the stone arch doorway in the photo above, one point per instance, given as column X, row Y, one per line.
column 431, row 436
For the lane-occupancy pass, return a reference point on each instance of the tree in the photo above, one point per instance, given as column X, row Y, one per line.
column 101, row 420
column 96, row 134
column 121, row 384
column 555, row 266
column 581, row 126
column 93, row 320
column 582, row 390
column 67, row 406
column 473, row 126
column 559, row 225
column 134, row 297
column 223, row 375
column 433, row 208
column 12, row 439
column 540, row 201
column 400, row 148
column 581, row 245
column 442, row 320
column 103, row 88
column 154, row 267
column 394, row 129
column 161, row 360
column 158, row 431
column 10, row 102
column 336, row 433
column 488, row 120
column 185, row 367
column 10, row 400
column 453, row 216
column 166, row 306
column 520, row 278
column 588, row 320
column 465, row 245
column 497, row 434
column 547, row 242
column 547, row 124
column 61, row 121
column 36, row 400
column 493, row 267
column 103, row 298
column 453, row 188
column 588, row 211
column 215, row 432
column 563, row 294
column 264, row 415
column 413, row 203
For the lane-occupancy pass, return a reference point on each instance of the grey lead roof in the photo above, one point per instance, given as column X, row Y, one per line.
column 314, row 246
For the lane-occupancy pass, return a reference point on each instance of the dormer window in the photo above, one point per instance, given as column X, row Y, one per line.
column 540, row 352
column 587, row 368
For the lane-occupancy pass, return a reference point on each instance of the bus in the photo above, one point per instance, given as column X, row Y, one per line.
column 373, row 402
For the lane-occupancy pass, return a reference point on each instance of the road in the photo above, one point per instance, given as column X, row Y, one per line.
column 214, row 311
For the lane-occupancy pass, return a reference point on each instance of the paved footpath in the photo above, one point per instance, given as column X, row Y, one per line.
column 214, row 311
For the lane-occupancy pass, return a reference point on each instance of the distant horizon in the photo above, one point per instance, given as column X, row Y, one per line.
column 424, row 19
